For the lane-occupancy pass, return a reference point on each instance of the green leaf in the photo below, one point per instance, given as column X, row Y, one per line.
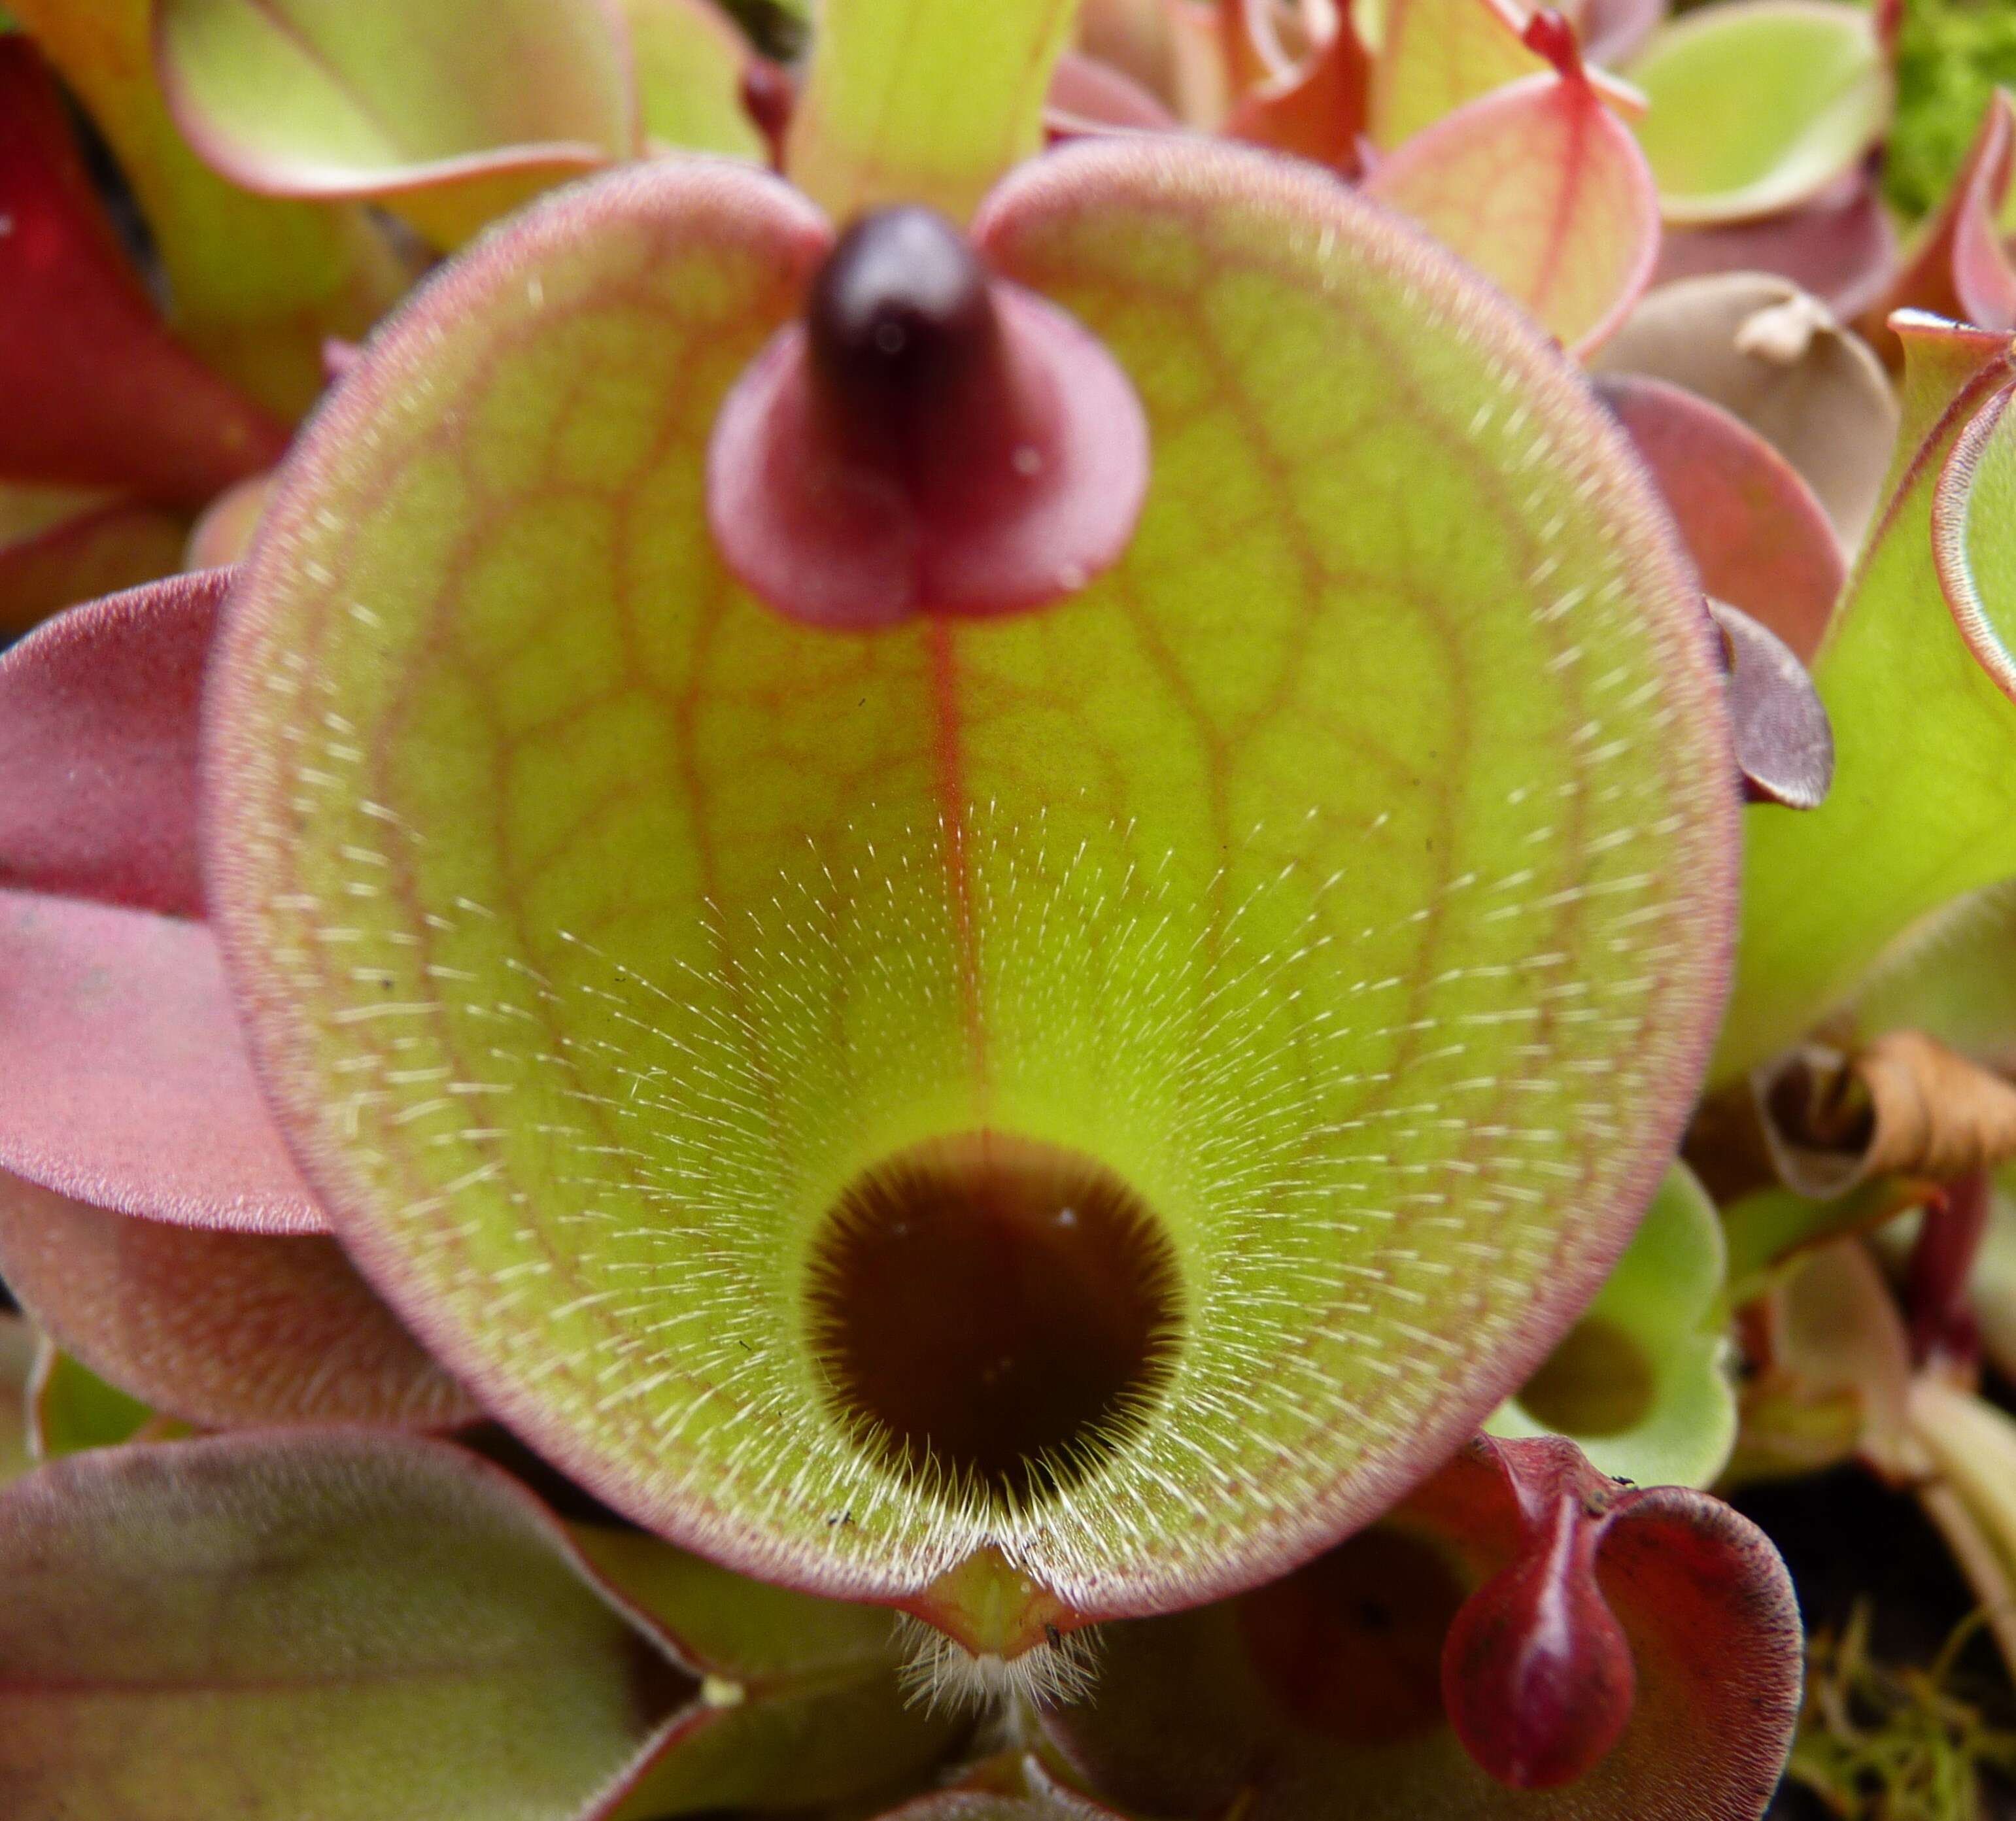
column 915, row 101
column 1543, row 189
column 803, row 1697
column 1639, row 1383
column 688, row 59
column 348, row 1626
column 1434, row 55
column 257, row 283
column 452, row 113
column 1356, row 893
column 73, row 1409
column 1911, row 822
column 1758, row 105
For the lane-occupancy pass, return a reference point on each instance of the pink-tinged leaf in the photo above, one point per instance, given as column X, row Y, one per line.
column 60, row 546
column 452, row 113
column 929, row 440
column 224, row 1330
column 98, row 748
column 1321, row 110
column 223, row 534
column 717, row 916
column 1174, row 50
column 1760, row 539
column 1785, row 746
column 1642, row 1646
column 123, row 1080
column 1543, row 189
column 99, row 393
column 1773, row 356
column 1958, row 266
column 1088, row 96
column 1842, row 247
column 345, row 1625
column 1613, row 31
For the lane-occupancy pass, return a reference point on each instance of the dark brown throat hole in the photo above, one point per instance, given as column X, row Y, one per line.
column 994, row 1311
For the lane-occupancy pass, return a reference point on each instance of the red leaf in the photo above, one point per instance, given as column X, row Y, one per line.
column 124, row 1080
column 98, row 748
column 1323, row 1693
column 1760, row 539
column 98, row 390
column 220, row 1329
column 1319, row 111
column 1841, row 246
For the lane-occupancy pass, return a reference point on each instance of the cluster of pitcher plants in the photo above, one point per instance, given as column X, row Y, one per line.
column 999, row 912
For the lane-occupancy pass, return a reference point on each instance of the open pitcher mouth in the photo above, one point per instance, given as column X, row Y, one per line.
column 994, row 1315
column 1028, row 1119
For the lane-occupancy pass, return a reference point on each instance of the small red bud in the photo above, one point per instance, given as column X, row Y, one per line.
column 1537, row 1677
column 769, row 98
column 1549, row 35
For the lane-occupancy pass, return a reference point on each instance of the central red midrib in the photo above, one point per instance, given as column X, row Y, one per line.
column 951, row 780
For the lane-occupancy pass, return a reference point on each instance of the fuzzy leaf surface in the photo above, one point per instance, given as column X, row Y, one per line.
column 349, row 1625
column 1758, row 106
column 223, row 1329
column 913, row 101
column 1919, row 643
column 1323, row 1697
column 124, row 1081
column 714, row 912
column 1541, row 189
column 454, row 112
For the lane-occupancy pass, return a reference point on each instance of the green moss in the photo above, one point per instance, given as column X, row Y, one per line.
column 1950, row 55
column 1891, row 1743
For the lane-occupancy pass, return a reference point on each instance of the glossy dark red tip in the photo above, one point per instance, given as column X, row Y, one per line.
column 928, row 440
column 1537, row 1678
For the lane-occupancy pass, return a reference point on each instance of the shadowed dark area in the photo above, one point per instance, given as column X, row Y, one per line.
column 1350, row 1646
column 993, row 1308
column 1597, row 1382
